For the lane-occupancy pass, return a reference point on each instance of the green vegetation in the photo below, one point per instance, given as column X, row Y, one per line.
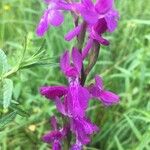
column 124, row 65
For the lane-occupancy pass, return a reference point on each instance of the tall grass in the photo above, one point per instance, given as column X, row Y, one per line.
column 124, row 65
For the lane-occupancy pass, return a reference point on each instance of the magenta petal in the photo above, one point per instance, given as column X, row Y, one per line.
column 64, row 6
column 112, row 20
column 47, row 1
column 94, row 90
column 83, row 127
column 84, row 97
column 74, row 32
column 53, row 122
column 43, row 24
column 65, row 62
column 51, row 92
column 51, row 136
column 76, row 147
column 60, row 106
column 77, row 100
column 87, row 11
column 99, row 38
column 74, row 107
column 103, row 6
column 99, row 82
column 88, row 3
column 55, row 17
column 56, row 145
column 100, row 27
column 72, row 72
column 77, row 59
column 89, row 127
column 90, row 16
column 87, row 48
column 109, row 98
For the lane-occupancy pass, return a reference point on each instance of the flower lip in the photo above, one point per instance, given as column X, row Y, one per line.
column 104, row 6
column 71, row 69
column 50, row 137
column 106, row 97
column 51, row 92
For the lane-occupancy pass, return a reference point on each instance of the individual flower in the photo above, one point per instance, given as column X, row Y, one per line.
column 56, row 136
column 73, row 100
column 100, row 18
column 102, row 9
column 52, row 15
column 106, row 97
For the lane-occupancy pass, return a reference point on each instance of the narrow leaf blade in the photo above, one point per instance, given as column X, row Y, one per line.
column 7, row 92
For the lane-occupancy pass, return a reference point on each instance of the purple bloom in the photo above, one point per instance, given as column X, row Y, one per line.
column 100, row 18
column 71, row 70
column 52, row 15
column 98, row 91
column 55, row 137
column 72, row 100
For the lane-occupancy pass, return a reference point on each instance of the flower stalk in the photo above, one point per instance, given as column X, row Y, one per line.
column 72, row 100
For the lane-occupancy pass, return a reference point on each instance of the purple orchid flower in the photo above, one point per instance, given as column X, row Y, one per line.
column 52, row 15
column 100, row 18
column 106, row 97
column 102, row 9
column 55, row 137
column 73, row 100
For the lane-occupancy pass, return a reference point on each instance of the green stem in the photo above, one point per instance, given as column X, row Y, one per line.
column 9, row 73
column 93, row 60
column 81, row 36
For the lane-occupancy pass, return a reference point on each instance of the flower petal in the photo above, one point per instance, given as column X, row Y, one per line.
column 64, row 5
column 53, row 122
column 109, row 98
column 87, row 11
column 74, row 107
column 100, row 27
column 60, row 106
column 103, row 6
column 51, row 136
column 84, row 97
column 55, row 17
column 56, row 145
column 43, row 24
column 99, row 38
column 99, row 82
column 77, row 146
column 65, row 62
column 51, row 92
column 74, row 32
column 77, row 59
column 83, row 127
column 87, row 48
column 112, row 20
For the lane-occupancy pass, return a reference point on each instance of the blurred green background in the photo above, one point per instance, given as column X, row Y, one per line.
column 124, row 65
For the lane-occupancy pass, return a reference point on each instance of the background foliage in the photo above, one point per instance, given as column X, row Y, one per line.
column 30, row 63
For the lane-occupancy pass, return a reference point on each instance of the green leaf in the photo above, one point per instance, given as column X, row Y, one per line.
column 6, row 119
column 120, row 147
column 14, row 106
column 134, row 128
column 19, row 110
column 7, row 92
column 3, row 62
